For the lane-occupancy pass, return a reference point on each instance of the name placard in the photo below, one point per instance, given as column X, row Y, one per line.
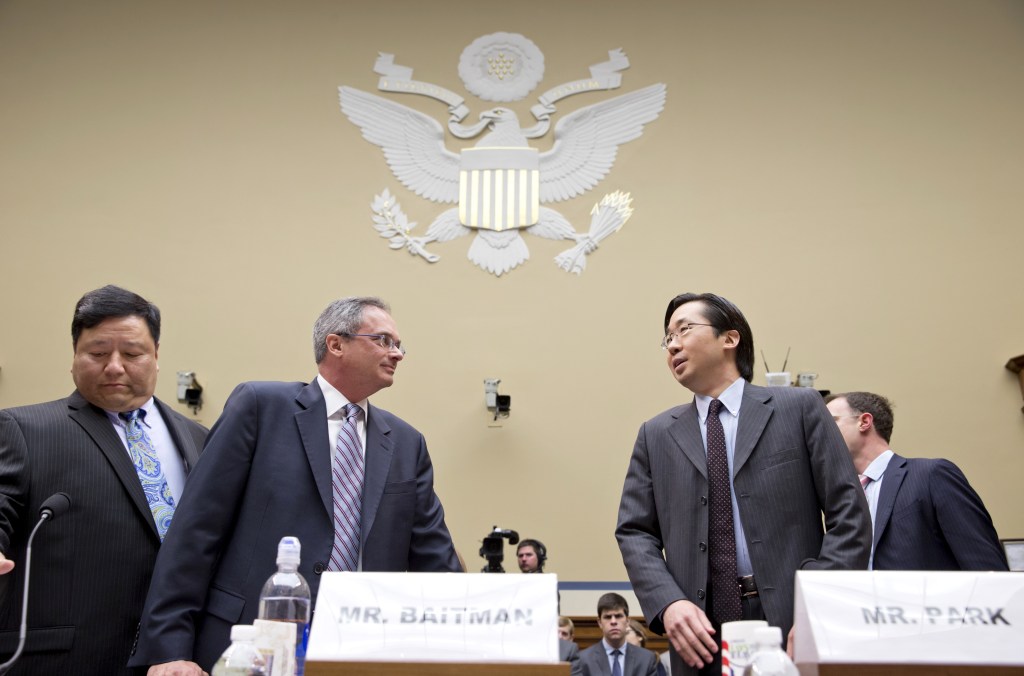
column 908, row 617
column 443, row 617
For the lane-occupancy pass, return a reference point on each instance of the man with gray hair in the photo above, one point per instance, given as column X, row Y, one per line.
column 352, row 481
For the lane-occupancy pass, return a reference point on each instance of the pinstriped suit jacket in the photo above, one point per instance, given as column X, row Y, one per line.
column 91, row 567
column 791, row 467
column 929, row 518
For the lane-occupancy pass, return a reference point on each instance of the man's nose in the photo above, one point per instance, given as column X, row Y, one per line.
column 114, row 363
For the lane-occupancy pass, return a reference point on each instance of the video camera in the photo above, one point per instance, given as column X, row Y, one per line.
column 493, row 548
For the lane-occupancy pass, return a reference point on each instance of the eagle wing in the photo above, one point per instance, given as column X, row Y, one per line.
column 413, row 143
column 587, row 141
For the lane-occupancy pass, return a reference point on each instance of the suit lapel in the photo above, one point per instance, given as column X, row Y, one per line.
column 755, row 412
column 379, row 452
column 99, row 428
column 180, row 435
column 895, row 472
column 685, row 431
column 311, row 420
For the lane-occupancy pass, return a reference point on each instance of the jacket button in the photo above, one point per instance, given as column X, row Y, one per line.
column 703, row 547
column 703, row 500
column 700, row 594
column 318, row 567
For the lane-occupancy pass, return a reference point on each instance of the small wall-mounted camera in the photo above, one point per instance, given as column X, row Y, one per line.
column 501, row 404
column 190, row 392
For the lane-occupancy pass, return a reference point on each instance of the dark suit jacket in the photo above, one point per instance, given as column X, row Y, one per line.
column 266, row 473
column 91, row 566
column 929, row 518
column 791, row 466
column 637, row 662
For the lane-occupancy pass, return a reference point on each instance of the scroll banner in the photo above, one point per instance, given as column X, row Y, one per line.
column 396, row 78
column 603, row 75
column 435, row 617
column 908, row 618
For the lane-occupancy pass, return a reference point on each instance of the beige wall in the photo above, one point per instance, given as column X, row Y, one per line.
column 848, row 172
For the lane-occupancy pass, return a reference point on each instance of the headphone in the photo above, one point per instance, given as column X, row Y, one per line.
column 539, row 548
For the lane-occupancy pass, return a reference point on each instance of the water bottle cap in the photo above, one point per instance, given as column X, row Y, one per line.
column 768, row 636
column 243, row 632
column 289, row 550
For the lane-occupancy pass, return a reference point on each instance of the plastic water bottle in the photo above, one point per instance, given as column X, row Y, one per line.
column 241, row 658
column 770, row 659
column 285, row 597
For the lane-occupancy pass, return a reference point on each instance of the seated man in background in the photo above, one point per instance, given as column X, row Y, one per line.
column 612, row 655
column 925, row 514
column 566, row 629
column 568, row 651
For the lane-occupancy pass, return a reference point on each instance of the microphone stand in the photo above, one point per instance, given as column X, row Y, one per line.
column 51, row 508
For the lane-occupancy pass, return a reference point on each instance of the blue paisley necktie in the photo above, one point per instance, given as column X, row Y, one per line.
column 154, row 484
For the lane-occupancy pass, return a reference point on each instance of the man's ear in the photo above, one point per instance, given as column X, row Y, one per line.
column 866, row 422
column 335, row 345
column 732, row 338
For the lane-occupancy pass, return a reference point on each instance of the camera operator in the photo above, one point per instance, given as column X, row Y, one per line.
column 531, row 555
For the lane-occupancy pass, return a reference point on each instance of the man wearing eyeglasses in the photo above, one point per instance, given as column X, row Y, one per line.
column 926, row 515
column 725, row 497
column 317, row 461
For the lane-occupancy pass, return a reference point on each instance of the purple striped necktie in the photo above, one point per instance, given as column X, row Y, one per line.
column 347, row 484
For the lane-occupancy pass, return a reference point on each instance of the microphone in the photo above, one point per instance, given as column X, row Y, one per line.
column 53, row 507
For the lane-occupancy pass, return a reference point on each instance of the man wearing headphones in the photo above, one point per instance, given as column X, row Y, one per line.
column 531, row 555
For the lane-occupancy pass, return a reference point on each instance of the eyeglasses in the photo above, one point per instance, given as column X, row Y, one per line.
column 837, row 418
column 679, row 333
column 382, row 339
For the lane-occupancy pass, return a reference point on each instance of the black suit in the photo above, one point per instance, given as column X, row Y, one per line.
column 929, row 518
column 91, row 567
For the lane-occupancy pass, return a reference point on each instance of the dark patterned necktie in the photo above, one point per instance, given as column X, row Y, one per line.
column 722, row 533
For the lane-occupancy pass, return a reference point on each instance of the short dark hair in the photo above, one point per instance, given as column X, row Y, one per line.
column 538, row 548
column 723, row 316
column 611, row 601
column 878, row 406
column 112, row 301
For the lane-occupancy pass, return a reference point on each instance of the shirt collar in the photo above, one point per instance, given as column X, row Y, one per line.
column 608, row 649
column 731, row 399
column 336, row 401
column 149, row 407
column 878, row 466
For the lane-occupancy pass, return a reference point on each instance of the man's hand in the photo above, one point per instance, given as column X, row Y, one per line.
column 5, row 565
column 689, row 630
column 789, row 641
column 179, row 668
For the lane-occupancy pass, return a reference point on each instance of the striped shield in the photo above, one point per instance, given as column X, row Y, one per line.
column 499, row 188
